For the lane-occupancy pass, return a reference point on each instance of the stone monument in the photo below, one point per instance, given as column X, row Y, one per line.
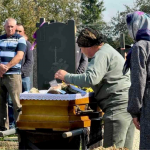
column 55, row 50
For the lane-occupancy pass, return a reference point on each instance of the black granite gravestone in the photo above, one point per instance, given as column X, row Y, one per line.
column 55, row 50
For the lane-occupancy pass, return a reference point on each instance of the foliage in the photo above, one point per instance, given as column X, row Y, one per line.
column 29, row 12
column 118, row 26
column 119, row 20
column 91, row 11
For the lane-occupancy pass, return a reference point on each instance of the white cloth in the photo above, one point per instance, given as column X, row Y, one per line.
column 44, row 96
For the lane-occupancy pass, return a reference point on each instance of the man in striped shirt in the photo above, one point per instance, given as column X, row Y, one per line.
column 12, row 48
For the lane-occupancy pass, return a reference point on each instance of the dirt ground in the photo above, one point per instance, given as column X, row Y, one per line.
column 136, row 140
column 8, row 145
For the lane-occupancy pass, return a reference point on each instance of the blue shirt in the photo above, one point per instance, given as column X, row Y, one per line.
column 9, row 46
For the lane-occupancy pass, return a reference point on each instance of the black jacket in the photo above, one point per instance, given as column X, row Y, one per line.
column 81, row 60
column 27, row 62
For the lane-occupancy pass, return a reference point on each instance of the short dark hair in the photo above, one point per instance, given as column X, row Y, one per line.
column 89, row 37
column 19, row 24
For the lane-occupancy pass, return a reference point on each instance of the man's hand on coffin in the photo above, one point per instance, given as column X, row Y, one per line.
column 60, row 74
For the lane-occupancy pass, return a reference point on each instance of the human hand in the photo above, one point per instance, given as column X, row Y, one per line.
column 122, row 48
column 60, row 74
column 3, row 69
column 1, row 74
column 136, row 123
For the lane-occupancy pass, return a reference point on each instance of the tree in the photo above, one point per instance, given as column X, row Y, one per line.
column 143, row 5
column 91, row 11
column 23, row 11
column 61, row 10
column 29, row 12
column 118, row 22
column 118, row 26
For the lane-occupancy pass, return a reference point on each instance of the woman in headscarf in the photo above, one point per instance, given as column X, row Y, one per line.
column 104, row 75
column 138, row 24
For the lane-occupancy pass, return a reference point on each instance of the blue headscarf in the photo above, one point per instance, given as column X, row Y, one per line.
column 138, row 24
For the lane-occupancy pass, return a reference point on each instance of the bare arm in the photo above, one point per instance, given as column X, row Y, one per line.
column 16, row 59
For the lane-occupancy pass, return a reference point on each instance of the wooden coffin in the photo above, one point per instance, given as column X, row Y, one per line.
column 58, row 115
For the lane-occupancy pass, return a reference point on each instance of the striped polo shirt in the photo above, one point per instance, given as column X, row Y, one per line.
column 9, row 46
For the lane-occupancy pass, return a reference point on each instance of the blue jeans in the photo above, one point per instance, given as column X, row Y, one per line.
column 25, row 84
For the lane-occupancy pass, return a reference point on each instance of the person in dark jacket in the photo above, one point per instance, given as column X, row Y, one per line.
column 81, row 60
column 138, row 60
column 27, row 62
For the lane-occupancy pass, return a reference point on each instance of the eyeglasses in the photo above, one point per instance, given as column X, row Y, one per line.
column 18, row 31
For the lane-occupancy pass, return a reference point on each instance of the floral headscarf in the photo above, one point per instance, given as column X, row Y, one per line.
column 138, row 24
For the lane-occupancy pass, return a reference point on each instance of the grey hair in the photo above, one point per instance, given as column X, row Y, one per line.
column 10, row 19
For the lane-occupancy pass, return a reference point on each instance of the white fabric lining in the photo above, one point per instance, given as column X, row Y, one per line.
column 44, row 96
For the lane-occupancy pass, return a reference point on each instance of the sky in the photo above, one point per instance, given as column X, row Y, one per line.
column 113, row 6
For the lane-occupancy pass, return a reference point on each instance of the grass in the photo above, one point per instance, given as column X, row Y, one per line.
column 8, row 145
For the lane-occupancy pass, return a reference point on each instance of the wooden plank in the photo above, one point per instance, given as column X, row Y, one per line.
column 51, row 110
column 79, row 101
column 45, row 102
column 44, row 110
column 61, row 129
column 44, row 118
column 42, row 125
column 78, row 118
column 53, row 125
column 86, row 100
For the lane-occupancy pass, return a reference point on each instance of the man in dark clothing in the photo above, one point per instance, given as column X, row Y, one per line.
column 27, row 62
column 81, row 61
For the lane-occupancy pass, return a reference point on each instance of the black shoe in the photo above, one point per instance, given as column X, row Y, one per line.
column 3, row 129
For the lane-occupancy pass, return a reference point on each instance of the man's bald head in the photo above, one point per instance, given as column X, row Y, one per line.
column 10, row 26
column 10, row 20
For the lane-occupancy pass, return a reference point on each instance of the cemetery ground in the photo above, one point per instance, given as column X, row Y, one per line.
column 9, row 142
